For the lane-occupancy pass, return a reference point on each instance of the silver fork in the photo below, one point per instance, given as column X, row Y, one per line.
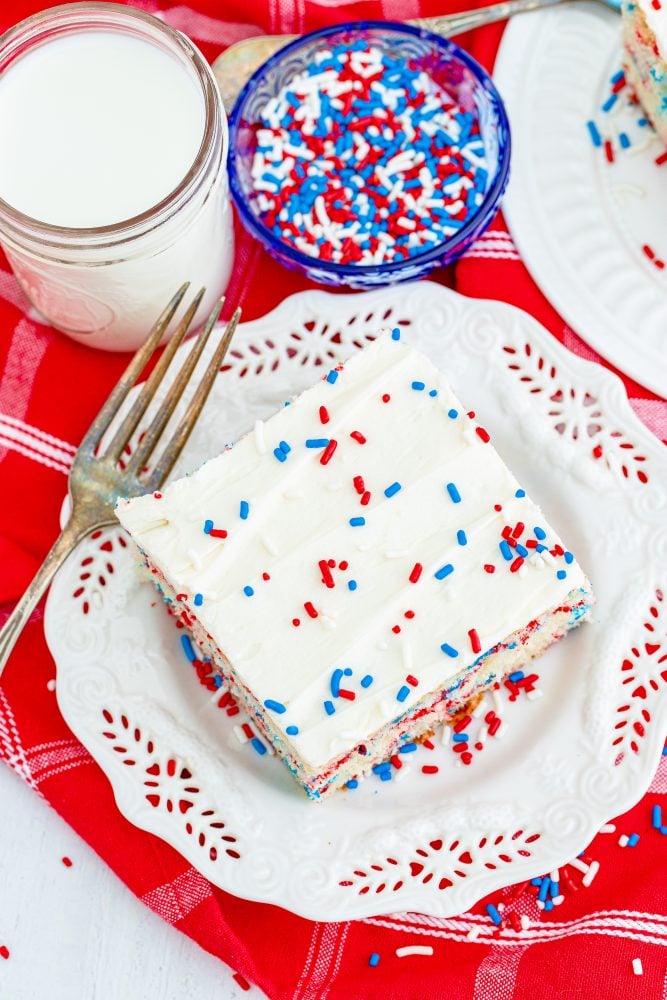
column 95, row 481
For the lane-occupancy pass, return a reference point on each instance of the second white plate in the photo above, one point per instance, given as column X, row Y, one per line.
column 579, row 222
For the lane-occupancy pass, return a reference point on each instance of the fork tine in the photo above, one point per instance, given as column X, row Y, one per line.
column 130, row 423
column 131, row 374
column 163, row 415
column 182, row 432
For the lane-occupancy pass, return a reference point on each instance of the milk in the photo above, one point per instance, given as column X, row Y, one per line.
column 98, row 127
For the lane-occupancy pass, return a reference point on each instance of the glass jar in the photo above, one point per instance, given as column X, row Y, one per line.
column 105, row 286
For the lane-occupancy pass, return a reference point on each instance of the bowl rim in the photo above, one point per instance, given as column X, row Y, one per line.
column 306, row 262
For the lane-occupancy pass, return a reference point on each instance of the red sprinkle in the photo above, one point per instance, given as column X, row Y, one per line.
column 412, row 681
column 430, row 769
column 365, row 500
column 358, row 483
column 597, row 451
column 327, row 578
column 489, row 717
column 343, row 565
column 459, row 747
column 409, row 614
column 396, row 629
column 489, row 568
column 4, row 951
column 518, row 529
column 396, row 761
column 324, row 415
column 67, row 862
column 483, row 434
column 386, row 397
column 494, row 726
column 609, row 151
column 234, row 710
column 296, row 622
column 466, row 757
column 348, row 695
column 247, row 729
column 416, row 572
column 265, row 576
column 517, row 564
column 474, row 641
column 328, row 452
column 218, row 533
column 463, row 724
column 358, row 436
column 240, row 981
column 498, row 507
column 506, row 532
column 428, row 744
column 310, row 609
column 663, row 156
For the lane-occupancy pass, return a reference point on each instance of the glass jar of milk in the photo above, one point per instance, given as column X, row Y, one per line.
column 113, row 185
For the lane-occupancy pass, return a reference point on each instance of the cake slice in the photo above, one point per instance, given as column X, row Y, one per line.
column 645, row 62
column 360, row 565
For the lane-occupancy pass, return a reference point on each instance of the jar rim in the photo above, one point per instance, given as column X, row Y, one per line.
column 98, row 15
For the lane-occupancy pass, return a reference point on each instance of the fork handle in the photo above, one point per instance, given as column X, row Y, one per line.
column 68, row 538
column 456, row 24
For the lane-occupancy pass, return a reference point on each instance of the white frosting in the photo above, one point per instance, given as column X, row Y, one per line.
column 657, row 22
column 297, row 518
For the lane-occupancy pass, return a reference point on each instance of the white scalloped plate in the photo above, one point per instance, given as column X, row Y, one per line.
column 579, row 223
column 582, row 753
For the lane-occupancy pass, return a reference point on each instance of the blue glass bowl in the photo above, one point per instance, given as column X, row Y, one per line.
column 454, row 70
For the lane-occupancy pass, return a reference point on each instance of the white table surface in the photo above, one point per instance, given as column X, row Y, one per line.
column 78, row 933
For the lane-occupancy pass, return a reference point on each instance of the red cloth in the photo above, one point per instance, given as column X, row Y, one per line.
column 50, row 388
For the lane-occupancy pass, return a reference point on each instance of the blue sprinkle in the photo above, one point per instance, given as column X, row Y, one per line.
column 569, row 558
column 540, row 533
column 664, row 750
column 444, row 571
column 366, row 681
column 352, row 783
column 617, row 77
column 418, row 386
column 217, row 680
column 433, row 392
column 208, row 527
column 541, row 548
column 452, row 414
column 536, row 881
column 280, row 455
column 275, row 706
column 407, row 748
column 521, row 551
column 596, row 138
column 493, row 913
column 633, row 840
column 248, row 591
column 549, row 905
column 292, row 730
column 461, row 737
column 624, row 140
column 505, row 550
column 385, row 776
column 284, row 447
column 392, row 490
column 351, row 584
column 348, row 671
column 642, row 122
column 357, row 522
column 544, row 890
column 329, row 707
column 518, row 675
column 610, row 102
column 449, row 650
column 186, row 643
column 336, row 678
column 520, row 493
column 332, row 376
column 561, row 574
column 554, row 889
column 199, row 600
column 656, row 817
column 258, row 745
column 374, row 958
column 396, row 334
column 461, row 537
column 317, row 442
column 403, row 692
column 381, row 768
column 244, row 510
column 454, row 493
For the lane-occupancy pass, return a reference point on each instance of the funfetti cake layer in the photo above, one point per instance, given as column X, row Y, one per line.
column 645, row 41
column 361, row 564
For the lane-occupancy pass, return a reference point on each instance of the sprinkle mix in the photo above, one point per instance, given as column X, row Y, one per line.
column 363, row 159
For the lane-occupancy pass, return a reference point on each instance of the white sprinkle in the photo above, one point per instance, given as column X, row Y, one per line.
column 327, row 623
column 473, row 933
column 554, row 875
column 637, row 967
column 557, row 900
column 525, row 921
column 534, row 695
column 445, row 735
column 269, row 545
column 540, row 904
column 194, row 558
column 608, row 828
column 580, row 865
column 294, row 494
column 591, row 873
column 401, row 773
column 406, row 651
column 478, row 710
column 500, row 907
column 522, row 571
column 260, row 442
column 239, row 734
column 51, row 685
column 501, row 731
column 414, row 949
column 497, row 702
column 623, row 840
column 334, row 487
